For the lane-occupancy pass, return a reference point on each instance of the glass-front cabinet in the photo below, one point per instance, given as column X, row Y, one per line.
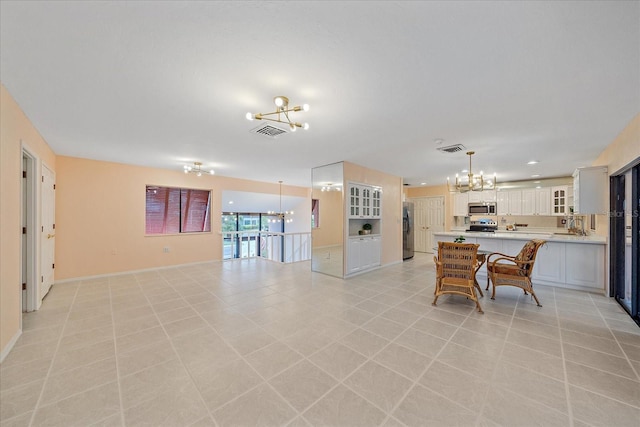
column 559, row 200
column 365, row 201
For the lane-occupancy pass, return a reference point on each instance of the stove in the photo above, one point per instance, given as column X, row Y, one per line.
column 483, row 225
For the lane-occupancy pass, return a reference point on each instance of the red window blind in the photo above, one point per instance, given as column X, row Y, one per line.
column 176, row 210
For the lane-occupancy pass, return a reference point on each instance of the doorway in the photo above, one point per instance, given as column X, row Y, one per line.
column 29, row 224
column 429, row 218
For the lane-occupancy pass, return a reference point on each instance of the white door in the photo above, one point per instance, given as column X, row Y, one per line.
column 435, row 219
column 429, row 218
column 48, row 230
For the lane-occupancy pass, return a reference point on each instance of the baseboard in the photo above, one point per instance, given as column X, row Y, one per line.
column 123, row 273
column 7, row 349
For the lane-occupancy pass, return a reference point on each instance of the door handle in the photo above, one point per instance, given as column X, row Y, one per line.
column 49, row 236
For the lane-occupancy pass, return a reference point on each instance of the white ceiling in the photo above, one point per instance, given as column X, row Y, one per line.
column 162, row 84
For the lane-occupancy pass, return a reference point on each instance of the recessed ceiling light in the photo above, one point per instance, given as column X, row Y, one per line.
column 438, row 141
column 536, row 182
column 230, row 202
column 464, row 171
column 532, row 162
column 423, row 183
column 535, row 175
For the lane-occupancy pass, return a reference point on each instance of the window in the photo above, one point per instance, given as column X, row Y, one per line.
column 177, row 210
column 315, row 213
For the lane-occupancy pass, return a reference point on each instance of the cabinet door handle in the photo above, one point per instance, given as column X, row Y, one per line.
column 50, row 236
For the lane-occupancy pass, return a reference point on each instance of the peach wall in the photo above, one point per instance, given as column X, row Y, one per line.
column 622, row 151
column 100, row 216
column 15, row 130
column 391, row 207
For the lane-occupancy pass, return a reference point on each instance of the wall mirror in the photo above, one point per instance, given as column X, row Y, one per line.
column 327, row 251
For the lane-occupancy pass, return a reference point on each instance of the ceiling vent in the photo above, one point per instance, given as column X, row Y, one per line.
column 452, row 148
column 269, row 130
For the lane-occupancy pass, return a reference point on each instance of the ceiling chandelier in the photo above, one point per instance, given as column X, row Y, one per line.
column 330, row 187
column 472, row 182
column 281, row 216
column 197, row 169
column 282, row 114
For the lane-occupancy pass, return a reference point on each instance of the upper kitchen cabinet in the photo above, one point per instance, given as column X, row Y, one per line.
column 536, row 201
column 590, row 190
column 560, row 200
column 482, row 196
column 461, row 204
column 509, row 202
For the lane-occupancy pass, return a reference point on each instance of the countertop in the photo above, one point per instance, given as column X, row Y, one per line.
column 520, row 235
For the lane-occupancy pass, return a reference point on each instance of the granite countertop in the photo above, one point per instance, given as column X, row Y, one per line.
column 520, row 235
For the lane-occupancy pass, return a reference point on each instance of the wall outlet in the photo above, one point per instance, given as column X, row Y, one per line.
column 165, row 249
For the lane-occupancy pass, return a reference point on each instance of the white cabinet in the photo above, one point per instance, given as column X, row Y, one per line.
column 585, row 265
column 560, row 200
column 354, row 204
column 509, row 202
column 461, row 204
column 590, row 190
column 376, row 202
column 550, row 263
column 482, row 196
column 543, row 201
column 363, row 253
column 536, row 201
column 364, row 201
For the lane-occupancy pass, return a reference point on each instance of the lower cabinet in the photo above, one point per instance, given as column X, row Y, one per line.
column 363, row 253
column 550, row 263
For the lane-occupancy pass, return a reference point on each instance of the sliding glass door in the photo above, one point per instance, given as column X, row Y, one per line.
column 625, row 240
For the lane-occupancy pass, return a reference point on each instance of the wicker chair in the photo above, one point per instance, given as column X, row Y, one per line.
column 456, row 270
column 516, row 270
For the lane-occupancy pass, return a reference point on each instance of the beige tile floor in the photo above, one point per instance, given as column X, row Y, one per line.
column 257, row 343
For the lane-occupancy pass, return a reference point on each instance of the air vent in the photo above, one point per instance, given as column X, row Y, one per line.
column 452, row 148
column 269, row 130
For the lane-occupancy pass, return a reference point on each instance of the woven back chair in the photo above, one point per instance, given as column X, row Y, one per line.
column 456, row 270
column 507, row 270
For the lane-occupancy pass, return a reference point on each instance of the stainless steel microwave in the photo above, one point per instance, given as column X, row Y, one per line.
column 482, row 209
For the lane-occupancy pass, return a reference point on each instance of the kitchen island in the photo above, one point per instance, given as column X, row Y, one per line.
column 566, row 261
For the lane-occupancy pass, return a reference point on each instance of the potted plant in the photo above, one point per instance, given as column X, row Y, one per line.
column 366, row 229
column 459, row 239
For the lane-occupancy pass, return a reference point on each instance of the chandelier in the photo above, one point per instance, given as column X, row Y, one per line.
column 282, row 114
column 281, row 216
column 330, row 187
column 472, row 182
column 197, row 169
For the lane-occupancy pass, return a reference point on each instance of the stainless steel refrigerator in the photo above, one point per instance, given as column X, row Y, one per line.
column 407, row 230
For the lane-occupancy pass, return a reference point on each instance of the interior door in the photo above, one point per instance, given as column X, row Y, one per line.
column 420, row 226
column 429, row 218
column 48, row 231
column 435, row 219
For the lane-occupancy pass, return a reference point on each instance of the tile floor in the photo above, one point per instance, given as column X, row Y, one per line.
column 257, row 343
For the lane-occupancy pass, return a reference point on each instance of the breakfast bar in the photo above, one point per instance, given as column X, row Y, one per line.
column 566, row 261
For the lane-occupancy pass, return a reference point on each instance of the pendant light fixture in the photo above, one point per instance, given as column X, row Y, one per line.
column 472, row 182
column 281, row 216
